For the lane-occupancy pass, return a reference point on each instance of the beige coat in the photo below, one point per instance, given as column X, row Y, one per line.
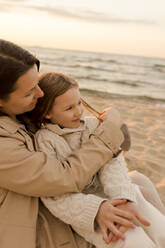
column 112, row 181
column 26, row 174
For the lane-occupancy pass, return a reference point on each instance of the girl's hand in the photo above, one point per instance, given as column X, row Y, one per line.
column 114, row 116
column 108, row 215
column 111, row 114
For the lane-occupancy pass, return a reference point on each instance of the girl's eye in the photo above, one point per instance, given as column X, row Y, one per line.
column 80, row 102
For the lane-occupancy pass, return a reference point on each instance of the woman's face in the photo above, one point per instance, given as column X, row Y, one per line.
column 25, row 96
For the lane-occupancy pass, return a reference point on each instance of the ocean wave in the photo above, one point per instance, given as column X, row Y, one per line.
column 104, row 60
column 131, row 83
column 93, row 78
column 126, row 75
column 138, row 65
column 90, row 67
column 104, row 94
column 82, row 66
column 111, row 81
column 159, row 67
column 135, row 83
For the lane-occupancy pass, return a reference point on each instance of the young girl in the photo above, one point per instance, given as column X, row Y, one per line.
column 64, row 129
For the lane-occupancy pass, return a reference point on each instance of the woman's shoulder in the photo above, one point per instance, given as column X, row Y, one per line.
column 8, row 126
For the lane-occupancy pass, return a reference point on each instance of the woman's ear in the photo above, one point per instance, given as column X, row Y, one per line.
column 48, row 116
column 1, row 103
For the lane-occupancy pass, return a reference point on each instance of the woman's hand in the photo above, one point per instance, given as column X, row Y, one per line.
column 131, row 208
column 111, row 114
column 122, row 229
column 109, row 215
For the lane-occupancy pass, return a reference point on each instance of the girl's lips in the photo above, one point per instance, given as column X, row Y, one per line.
column 76, row 120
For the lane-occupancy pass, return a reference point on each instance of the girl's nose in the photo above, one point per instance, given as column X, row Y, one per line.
column 78, row 111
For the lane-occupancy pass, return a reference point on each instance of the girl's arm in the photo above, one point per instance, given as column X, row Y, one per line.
column 116, row 181
column 114, row 175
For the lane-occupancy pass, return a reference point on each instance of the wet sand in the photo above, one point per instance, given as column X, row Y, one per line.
column 146, row 122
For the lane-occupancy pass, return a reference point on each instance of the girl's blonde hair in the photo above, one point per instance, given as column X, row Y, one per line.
column 53, row 84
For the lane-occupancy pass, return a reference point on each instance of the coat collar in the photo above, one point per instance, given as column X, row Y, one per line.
column 10, row 125
column 62, row 131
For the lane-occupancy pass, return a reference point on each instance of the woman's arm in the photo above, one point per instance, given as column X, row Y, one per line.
column 37, row 174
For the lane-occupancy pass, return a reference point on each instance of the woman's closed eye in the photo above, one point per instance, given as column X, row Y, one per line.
column 29, row 93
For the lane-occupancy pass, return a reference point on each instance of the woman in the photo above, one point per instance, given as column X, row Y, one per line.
column 26, row 174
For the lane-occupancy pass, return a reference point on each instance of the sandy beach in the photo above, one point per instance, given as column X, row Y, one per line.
column 146, row 122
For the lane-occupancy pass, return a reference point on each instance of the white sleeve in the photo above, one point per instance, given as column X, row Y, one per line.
column 76, row 209
column 116, row 181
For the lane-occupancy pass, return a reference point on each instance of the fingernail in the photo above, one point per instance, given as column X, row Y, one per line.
column 133, row 226
column 123, row 237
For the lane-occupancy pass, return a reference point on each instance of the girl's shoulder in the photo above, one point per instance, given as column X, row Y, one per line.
column 45, row 133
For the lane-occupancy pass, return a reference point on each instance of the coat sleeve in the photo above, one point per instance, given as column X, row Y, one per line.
column 116, row 181
column 76, row 209
column 45, row 143
column 38, row 174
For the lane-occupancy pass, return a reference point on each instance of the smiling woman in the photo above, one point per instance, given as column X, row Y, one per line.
column 27, row 174
column 19, row 91
column 24, row 96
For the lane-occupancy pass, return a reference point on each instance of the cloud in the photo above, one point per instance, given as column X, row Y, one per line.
column 4, row 8
column 9, row 5
column 70, row 12
column 8, row 2
column 89, row 15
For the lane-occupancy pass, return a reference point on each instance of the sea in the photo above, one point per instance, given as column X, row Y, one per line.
column 109, row 75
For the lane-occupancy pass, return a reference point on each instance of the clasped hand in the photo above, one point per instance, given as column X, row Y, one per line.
column 115, row 217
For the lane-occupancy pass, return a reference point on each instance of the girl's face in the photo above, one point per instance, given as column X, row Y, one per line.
column 25, row 96
column 67, row 109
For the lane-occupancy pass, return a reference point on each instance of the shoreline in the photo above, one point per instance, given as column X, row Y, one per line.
column 146, row 123
column 107, row 95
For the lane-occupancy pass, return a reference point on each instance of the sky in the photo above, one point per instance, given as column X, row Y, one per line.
column 132, row 27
